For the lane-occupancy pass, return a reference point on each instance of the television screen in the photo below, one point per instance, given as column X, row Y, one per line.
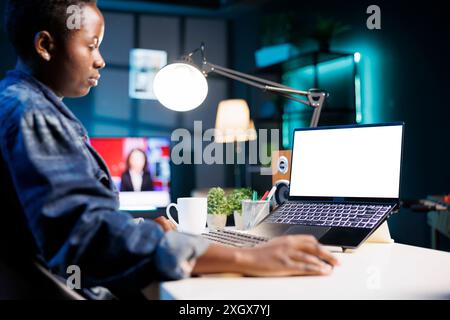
column 140, row 169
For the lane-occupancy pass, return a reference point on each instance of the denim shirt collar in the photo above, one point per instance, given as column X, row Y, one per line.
column 38, row 86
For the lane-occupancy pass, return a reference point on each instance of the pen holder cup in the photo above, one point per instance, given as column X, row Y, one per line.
column 253, row 212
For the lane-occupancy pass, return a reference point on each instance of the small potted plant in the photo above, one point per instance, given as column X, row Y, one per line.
column 217, row 208
column 234, row 200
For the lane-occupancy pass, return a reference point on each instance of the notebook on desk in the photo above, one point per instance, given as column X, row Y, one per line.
column 345, row 182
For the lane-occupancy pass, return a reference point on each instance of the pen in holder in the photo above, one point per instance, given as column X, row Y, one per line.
column 253, row 212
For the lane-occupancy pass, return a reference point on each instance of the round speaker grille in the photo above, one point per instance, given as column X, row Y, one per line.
column 282, row 192
column 283, row 164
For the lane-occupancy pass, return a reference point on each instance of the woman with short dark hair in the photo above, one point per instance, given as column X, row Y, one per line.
column 63, row 206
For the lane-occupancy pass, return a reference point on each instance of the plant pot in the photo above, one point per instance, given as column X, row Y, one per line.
column 238, row 220
column 216, row 221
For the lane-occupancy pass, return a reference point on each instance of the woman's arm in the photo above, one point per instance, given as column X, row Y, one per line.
column 74, row 218
column 282, row 256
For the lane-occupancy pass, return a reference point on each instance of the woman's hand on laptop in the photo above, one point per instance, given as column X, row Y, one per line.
column 290, row 255
column 293, row 255
column 166, row 224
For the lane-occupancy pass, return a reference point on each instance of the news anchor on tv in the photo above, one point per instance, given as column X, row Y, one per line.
column 137, row 176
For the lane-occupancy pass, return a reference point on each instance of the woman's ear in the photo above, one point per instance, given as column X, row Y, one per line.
column 44, row 45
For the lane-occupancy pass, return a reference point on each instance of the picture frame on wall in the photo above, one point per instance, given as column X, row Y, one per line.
column 144, row 64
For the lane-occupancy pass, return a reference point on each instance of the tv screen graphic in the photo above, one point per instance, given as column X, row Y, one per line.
column 140, row 169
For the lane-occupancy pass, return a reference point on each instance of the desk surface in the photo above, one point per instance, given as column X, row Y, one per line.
column 374, row 271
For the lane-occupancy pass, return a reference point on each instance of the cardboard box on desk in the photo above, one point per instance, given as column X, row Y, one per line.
column 381, row 235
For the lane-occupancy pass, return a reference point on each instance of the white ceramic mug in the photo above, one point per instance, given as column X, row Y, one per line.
column 192, row 213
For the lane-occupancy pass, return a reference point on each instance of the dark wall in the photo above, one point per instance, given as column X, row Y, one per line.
column 408, row 80
column 7, row 57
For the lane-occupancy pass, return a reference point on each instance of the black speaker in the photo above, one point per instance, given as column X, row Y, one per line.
column 282, row 191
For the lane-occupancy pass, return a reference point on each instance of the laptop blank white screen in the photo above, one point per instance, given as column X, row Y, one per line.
column 362, row 162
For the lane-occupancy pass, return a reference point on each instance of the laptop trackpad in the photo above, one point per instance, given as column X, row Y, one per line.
column 317, row 232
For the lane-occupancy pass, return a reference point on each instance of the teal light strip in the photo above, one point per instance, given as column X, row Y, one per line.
column 286, row 132
column 334, row 66
column 274, row 54
column 358, row 106
column 358, row 99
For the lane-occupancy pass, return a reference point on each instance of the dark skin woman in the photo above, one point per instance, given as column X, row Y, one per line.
column 70, row 66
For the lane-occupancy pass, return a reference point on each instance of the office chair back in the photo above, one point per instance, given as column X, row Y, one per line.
column 31, row 281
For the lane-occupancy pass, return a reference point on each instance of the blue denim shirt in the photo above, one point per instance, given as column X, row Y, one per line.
column 58, row 200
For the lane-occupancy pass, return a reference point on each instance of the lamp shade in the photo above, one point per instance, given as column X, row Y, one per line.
column 180, row 86
column 232, row 121
column 251, row 133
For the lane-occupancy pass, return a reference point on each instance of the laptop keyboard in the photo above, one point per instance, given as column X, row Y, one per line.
column 329, row 215
column 233, row 238
column 310, row 214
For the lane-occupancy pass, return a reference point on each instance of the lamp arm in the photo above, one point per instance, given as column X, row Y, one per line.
column 260, row 86
column 213, row 68
column 316, row 114
column 316, row 98
column 287, row 90
column 256, row 82
column 237, row 78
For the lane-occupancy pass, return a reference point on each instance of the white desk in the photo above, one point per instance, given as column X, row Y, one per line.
column 374, row 271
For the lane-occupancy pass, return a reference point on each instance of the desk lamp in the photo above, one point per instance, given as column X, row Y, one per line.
column 182, row 86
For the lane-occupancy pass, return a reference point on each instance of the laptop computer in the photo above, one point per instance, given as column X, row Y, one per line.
column 345, row 182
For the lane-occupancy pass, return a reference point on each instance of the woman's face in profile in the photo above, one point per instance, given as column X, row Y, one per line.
column 78, row 60
column 137, row 161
